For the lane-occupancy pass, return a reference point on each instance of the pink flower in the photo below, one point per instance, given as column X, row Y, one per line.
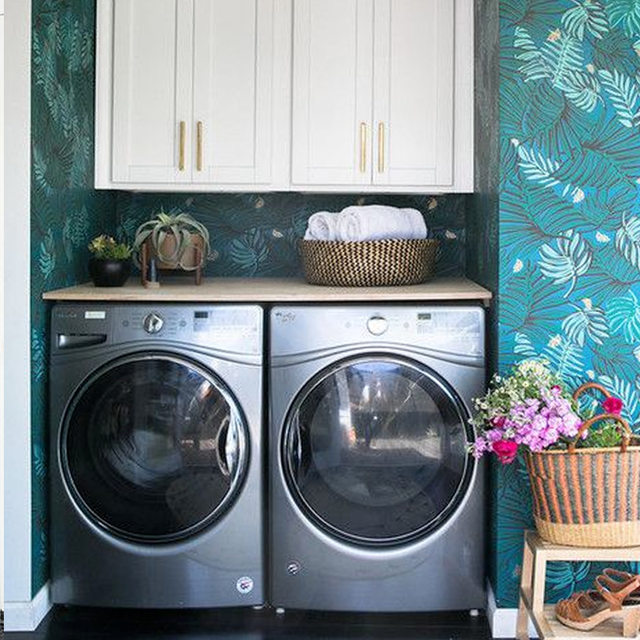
column 613, row 405
column 506, row 451
column 498, row 421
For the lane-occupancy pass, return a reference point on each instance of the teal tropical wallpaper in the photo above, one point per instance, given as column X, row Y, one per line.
column 65, row 210
column 257, row 234
column 569, row 220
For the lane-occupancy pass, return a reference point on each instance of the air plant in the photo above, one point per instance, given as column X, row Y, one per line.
column 182, row 228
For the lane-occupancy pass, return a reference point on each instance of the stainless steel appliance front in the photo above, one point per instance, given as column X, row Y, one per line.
column 156, row 456
column 375, row 503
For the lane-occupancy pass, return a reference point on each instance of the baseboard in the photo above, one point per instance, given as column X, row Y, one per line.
column 503, row 622
column 26, row 616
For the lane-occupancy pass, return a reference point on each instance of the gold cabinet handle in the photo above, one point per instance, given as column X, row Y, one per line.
column 199, row 131
column 381, row 150
column 363, row 147
column 183, row 138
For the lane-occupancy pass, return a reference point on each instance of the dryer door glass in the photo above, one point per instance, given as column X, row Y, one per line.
column 375, row 450
column 154, row 448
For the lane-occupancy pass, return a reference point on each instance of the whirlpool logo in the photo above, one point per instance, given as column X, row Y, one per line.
column 244, row 585
column 285, row 317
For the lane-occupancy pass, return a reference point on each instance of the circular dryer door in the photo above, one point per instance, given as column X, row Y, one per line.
column 375, row 450
column 153, row 448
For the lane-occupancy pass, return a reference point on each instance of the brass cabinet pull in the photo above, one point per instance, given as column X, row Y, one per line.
column 381, row 149
column 363, row 147
column 183, row 137
column 199, row 129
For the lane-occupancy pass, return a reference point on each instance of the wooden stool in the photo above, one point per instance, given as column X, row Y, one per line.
column 537, row 553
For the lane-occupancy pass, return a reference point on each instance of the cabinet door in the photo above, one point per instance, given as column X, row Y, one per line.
column 233, row 94
column 332, row 92
column 414, row 92
column 152, row 92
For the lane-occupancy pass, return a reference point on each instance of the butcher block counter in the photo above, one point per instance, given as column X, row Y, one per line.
column 266, row 290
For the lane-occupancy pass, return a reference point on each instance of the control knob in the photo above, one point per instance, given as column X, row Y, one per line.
column 153, row 323
column 377, row 325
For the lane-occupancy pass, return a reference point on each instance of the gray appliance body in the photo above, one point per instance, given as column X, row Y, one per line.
column 156, row 455
column 375, row 504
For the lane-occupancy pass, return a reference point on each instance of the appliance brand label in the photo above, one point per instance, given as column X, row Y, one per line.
column 244, row 585
column 95, row 315
column 285, row 318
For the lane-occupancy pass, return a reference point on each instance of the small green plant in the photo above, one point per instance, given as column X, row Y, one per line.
column 605, row 437
column 183, row 228
column 105, row 247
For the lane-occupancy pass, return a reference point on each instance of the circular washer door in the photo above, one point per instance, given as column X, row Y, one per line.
column 375, row 450
column 153, row 448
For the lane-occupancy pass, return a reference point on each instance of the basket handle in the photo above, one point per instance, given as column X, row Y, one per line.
column 590, row 385
column 625, row 429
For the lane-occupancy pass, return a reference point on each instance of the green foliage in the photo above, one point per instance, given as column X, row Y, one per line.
column 182, row 227
column 107, row 248
column 624, row 95
column 602, row 436
column 625, row 13
column 586, row 17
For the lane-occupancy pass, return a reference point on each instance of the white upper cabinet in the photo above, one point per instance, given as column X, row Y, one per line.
column 332, row 95
column 185, row 94
column 152, row 90
column 299, row 95
column 233, row 79
column 383, row 95
column 414, row 92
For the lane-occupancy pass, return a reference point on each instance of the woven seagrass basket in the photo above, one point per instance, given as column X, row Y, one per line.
column 588, row 497
column 375, row 263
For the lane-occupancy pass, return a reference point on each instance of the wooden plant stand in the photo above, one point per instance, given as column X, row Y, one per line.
column 537, row 553
column 145, row 257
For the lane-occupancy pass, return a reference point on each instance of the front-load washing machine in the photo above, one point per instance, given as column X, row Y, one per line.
column 156, row 474
column 376, row 504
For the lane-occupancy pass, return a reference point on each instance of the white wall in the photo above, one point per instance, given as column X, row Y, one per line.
column 2, row 299
column 17, row 410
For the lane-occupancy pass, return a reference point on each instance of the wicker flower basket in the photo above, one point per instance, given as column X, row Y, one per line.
column 376, row 263
column 588, row 497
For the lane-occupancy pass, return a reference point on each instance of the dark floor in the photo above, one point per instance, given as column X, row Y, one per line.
column 93, row 624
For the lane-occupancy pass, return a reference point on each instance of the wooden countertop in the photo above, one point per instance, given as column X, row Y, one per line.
column 273, row 290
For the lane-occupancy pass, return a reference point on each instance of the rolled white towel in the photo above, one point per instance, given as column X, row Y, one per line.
column 322, row 226
column 377, row 222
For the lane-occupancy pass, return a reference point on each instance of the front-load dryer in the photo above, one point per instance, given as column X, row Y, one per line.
column 376, row 504
column 156, row 474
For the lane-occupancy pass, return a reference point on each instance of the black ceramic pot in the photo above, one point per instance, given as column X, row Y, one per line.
column 109, row 273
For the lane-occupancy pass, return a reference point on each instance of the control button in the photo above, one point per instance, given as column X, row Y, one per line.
column 377, row 325
column 153, row 323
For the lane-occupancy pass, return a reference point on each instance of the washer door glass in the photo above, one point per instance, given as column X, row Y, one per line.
column 375, row 450
column 153, row 448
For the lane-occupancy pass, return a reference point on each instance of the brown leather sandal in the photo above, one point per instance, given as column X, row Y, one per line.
column 586, row 611
column 616, row 580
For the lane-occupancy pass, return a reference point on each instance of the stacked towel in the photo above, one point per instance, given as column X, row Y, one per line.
column 380, row 223
column 375, row 222
column 322, row 226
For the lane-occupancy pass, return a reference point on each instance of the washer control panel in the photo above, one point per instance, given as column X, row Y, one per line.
column 232, row 328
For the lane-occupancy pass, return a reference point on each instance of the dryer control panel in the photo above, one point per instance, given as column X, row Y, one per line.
column 456, row 330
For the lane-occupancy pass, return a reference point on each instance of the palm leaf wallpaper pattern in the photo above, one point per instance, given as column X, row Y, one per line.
column 569, row 222
column 65, row 210
column 257, row 234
